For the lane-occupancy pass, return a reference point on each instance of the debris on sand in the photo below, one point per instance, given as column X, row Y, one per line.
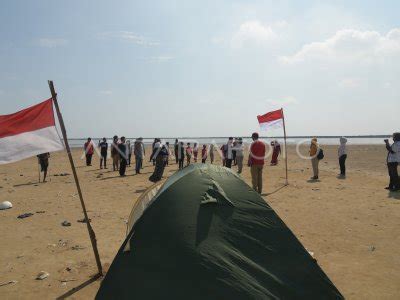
column 66, row 223
column 25, row 215
column 77, row 247
column 371, row 248
column 8, row 282
column 40, row 212
column 42, row 275
column 5, row 205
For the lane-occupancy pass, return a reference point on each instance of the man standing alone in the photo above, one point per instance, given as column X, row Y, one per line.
column 256, row 162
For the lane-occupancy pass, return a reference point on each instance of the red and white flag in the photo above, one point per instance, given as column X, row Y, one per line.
column 29, row 132
column 272, row 119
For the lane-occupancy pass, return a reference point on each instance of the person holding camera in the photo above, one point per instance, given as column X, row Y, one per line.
column 393, row 160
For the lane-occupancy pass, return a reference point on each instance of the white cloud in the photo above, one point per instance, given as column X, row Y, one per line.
column 51, row 42
column 350, row 45
column 105, row 92
column 255, row 32
column 128, row 36
column 283, row 101
column 350, row 83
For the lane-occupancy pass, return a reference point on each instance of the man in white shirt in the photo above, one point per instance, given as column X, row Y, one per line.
column 393, row 160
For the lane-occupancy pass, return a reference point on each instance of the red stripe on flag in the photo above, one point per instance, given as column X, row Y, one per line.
column 30, row 119
column 271, row 116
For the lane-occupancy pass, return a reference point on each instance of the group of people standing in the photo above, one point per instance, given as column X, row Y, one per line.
column 121, row 153
column 232, row 154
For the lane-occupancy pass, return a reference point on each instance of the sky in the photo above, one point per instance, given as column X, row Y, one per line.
column 204, row 68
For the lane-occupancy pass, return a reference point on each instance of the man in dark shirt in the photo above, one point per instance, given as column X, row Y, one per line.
column 103, row 153
column 44, row 163
column 123, row 154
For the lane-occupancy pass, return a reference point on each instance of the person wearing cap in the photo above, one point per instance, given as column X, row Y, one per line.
column 342, row 154
column 393, row 160
column 256, row 162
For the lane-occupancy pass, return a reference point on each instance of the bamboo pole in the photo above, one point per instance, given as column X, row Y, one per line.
column 286, row 157
column 92, row 235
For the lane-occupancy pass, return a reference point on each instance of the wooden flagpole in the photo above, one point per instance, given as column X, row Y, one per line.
column 286, row 158
column 78, row 187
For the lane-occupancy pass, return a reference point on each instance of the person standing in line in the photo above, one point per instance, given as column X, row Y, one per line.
column 229, row 153
column 176, row 151
column 168, row 152
column 342, row 154
column 43, row 160
column 181, row 155
column 211, row 153
column 314, row 150
column 256, row 162
column 103, row 153
column 115, row 153
column 89, row 149
column 235, row 143
column 139, row 152
column 195, row 152
column 123, row 156
column 159, row 155
column 129, row 150
column 275, row 153
column 155, row 147
column 239, row 155
column 204, row 154
column 223, row 154
column 189, row 152
column 393, row 160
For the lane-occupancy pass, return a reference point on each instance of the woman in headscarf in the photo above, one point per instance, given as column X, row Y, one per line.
column 314, row 149
column 276, row 151
column 159, row 155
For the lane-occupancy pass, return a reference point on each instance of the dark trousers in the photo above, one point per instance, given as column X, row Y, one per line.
column 122, row 166
column 89, row 159
column 129, row 159
column 203, row 160
column 394, row 175
column 228, row 163
column 103, row 160
column 176, row 157
column 181, row 163
column 342, row 164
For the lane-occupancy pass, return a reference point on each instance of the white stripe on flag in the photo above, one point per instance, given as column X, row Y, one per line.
column 271, row 125
column 27, row 144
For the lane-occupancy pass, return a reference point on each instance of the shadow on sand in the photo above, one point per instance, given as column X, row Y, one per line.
column 277, row 190
column 394, row 195
column 79, row 287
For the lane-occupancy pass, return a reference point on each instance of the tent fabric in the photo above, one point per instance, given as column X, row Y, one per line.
column 208, row 235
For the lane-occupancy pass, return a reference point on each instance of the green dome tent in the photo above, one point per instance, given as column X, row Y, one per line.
column 205, row 234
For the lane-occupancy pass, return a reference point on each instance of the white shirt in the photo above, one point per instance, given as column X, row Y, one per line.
column 395, row 157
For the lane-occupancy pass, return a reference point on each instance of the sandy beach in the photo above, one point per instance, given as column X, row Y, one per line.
column 351, row 225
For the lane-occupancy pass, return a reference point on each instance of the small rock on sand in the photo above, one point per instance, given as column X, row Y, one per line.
column 66, row 223
column 42, row 275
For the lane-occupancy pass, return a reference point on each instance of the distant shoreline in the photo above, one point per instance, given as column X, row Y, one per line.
column 269, row 137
